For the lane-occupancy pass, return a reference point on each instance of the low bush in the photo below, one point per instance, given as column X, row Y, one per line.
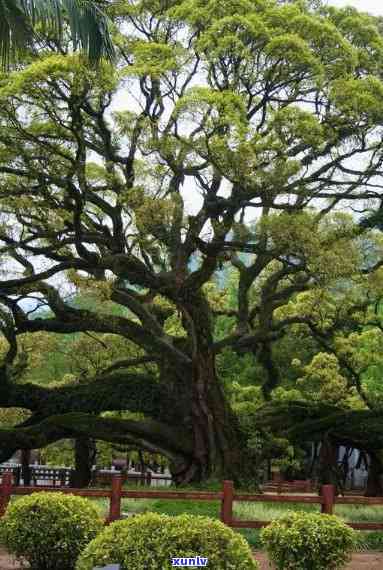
column 308, row 541
column 49, row 530
column 150, row 541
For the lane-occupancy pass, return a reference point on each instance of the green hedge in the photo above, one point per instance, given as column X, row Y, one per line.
column 49, row 530
column 308, row 541
column 151, row 540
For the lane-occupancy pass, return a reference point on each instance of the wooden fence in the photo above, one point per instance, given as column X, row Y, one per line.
column 298, row 486
column 227, row 497
column 144, row 479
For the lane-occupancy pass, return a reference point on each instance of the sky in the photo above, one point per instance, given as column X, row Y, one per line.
column 372, row 6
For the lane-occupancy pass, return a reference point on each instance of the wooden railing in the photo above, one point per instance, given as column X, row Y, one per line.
column 227, row 497
column 144, row 479
column 61, row 476
column 303, row 486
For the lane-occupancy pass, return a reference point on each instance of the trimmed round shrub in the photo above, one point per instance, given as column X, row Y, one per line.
column 150, row 542
column 49, row 530
column 304, row 541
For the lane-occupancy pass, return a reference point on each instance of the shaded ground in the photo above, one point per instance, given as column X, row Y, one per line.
column 365, row 561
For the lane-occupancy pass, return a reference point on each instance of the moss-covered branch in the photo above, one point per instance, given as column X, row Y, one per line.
column 150, row 435
column 299, row 421
column 119, row 390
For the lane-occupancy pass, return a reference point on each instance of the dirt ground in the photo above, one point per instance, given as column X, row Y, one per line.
column 368, row 561
column 6, row 562
column 365, row 561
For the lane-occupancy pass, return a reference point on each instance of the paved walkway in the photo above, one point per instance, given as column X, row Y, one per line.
column 365, row 561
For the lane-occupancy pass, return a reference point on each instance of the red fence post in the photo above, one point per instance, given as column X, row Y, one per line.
column 115, row 499
column 5, row 491
column 227, row 503
column 328, row 497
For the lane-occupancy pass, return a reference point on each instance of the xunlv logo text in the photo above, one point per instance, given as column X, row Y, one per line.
column 196, row 561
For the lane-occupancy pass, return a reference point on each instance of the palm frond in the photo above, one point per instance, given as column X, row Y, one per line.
column 88, row 25
column 15, row 31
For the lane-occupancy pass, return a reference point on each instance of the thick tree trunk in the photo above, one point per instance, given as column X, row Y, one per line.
column 215, row 444
column 217, row 449
column 328, row 470
column 84, row 457
column 375, row 477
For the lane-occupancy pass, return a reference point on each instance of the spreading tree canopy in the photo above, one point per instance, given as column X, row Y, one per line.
column 227, row 141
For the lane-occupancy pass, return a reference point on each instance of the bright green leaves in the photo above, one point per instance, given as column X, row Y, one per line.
column 335, row 53
column 222, row 117
column 359, row 99
column 232, row 41
column 154, row 59
column 54, row 67
column 327, row 377
column 293, row 126
column 202, row 13
column 71, row 70
column 316, row 305
column 312, row 44
column 142, row 8
column 363, row 351
column 303, row 541
column 327, row 249
column 362, row 32
column 359, row 96
column 322, row 380
column 221, row 108
column 292, row 55
column 268, row 43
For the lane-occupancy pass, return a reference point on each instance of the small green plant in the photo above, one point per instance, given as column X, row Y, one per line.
column 49, row 530
column 151, row 540
column 308, row 541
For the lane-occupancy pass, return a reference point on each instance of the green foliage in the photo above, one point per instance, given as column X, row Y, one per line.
column 291, row 463
column 149, row 541
column 255, row 511
column 12, row 416
column 302, row 541
column 322, row 380
column 49, row 530
column 361, row 99
column 60, row 453
column 370, row 541
column 177, row 507
column 153, row 58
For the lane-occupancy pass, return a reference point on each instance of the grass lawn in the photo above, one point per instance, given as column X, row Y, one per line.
column 257, row 511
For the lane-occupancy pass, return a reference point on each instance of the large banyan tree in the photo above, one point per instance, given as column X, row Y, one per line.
column 230, row 135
